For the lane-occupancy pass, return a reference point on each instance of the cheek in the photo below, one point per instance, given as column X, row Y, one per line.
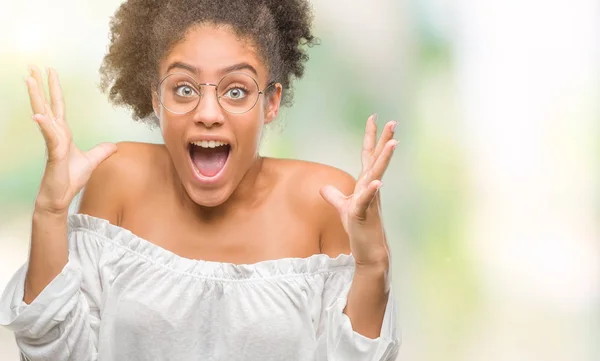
column 170, row 131
column 252, row 128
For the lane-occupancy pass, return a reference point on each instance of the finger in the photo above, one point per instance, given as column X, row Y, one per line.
column 382, row 162
column 334, row 197
column 36, row 73
column 386, row 135
column 49, row 132
column 99, row 153
column 37, row 103
column 48, row 112
column 369, row 141
column 56, row 97
column 364, row 199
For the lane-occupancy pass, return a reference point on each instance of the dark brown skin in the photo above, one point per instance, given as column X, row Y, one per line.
column 261, row 209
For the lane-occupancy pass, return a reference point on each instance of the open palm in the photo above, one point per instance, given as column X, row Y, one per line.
column 360, row 211
column 67, row 167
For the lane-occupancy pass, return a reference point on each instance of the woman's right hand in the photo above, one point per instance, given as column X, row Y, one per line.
column 67, row 167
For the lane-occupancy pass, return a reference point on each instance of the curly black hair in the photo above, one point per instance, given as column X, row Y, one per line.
column 142, row 32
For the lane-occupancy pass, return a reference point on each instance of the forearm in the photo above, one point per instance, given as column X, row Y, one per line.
column 49, row 252
column 367, row 299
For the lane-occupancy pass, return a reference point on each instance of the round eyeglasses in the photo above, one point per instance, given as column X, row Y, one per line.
column 237, row 93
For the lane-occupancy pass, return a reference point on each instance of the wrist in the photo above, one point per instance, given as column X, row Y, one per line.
column 374, row 272
column 41, row 213
column 376, row 261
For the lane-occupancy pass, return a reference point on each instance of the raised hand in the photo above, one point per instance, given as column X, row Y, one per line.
column 67, row 167
column 360, row 211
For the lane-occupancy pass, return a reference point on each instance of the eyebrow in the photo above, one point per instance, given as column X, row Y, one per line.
column 229, row 69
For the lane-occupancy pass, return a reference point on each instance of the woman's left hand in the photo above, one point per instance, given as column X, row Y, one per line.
column 361, row 211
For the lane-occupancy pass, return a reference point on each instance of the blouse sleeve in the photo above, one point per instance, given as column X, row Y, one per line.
column 62, row 323
column 336, row 339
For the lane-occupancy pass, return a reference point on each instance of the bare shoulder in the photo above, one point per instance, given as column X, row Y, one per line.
column 118, row 179
column 304, row 181
column 308, row 177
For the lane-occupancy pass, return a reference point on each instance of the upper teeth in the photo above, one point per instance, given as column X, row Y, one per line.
column 208, row 143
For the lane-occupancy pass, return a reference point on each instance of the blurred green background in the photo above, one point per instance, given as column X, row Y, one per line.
column 492, row 200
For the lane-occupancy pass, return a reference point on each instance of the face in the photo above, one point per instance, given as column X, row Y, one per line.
column 210, row 171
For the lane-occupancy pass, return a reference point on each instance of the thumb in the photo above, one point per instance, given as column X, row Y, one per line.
column 334, row 197
column 99, row 153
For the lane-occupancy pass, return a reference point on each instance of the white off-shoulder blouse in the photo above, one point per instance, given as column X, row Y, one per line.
column 123, row 298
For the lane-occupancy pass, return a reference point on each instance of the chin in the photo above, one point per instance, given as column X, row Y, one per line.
column 208, row 198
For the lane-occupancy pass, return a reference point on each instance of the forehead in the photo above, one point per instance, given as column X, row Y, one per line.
column 211, row 48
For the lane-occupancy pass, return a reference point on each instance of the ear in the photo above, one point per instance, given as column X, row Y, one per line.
column 155, row 101
column 273, row 103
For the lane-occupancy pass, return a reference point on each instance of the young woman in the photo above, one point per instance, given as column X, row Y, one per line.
column 201, row 249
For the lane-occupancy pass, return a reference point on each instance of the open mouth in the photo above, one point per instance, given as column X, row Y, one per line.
column 209, row 157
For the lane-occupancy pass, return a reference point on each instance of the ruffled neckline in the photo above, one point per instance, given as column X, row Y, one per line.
column 124, row 238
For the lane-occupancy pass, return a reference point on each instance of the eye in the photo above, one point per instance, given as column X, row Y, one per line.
column 235, row 93
column 185, row 91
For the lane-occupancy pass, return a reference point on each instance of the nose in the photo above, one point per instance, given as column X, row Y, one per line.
column 208, row 112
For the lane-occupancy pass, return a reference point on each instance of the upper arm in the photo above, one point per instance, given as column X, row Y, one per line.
column 102, row 196
column 333, row 239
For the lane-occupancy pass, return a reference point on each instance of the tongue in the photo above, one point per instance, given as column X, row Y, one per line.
column 209, row 161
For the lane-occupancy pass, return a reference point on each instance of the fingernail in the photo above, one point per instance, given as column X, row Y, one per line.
column 380, row 185
column 375, row 118
column 394, row 126
column 395, row 145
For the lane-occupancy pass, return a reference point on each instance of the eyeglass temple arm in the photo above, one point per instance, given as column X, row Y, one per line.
column 267, row 87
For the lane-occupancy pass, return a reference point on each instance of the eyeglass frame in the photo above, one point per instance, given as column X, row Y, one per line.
column 216, row 86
